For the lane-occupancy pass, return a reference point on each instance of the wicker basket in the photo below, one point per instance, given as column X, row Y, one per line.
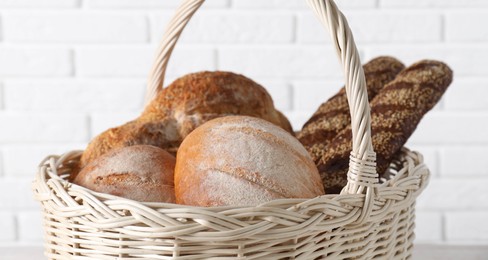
column 370, row 219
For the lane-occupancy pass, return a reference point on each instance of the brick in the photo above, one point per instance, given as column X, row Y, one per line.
column 467, row 94
column 147, row 3
column 281, row 61
column 377, row 27
column 231, row 27
column 30, row 226
column 432, row 3
column 428, row 227
column 1, row 164
column 293, row 4
column 23, row 62
column 1, row 96
column 17, row 194
column 464, row 161
column 28, row 4
column 451, row 128
column 309, row 95
column 75, row 27
column 310, row 29
column 114, row 61
column 467, row 226
column 75, row 95
column 356, row 4
column 46, row 127
column 454, row 194
column 460, row 26
column 241, row 4
column 8, row 227
column 103, row 121
column 465, row 60
column 136, row 61
column 22, row 160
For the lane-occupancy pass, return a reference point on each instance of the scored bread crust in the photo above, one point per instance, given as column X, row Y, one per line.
column 199, row 97
column 140, row 172
column 240, row 160
column 184, row 105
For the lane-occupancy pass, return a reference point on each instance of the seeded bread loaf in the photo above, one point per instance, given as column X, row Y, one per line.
column 184, row 105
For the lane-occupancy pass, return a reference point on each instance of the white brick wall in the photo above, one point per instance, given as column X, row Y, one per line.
column 33, row 127
column 459, row 26
column 20, row 159
column 1, row 96
column 20, row 61
column 69, row 69
column 473, row 155
column 442, row 4
column 382, row 26
column 8, row 227
column 280, row 61
column 461, row 226
column 103, row 121
column 39, row 4
column 30, row 226
column 74, row 27
column 135, row 61
column 233, row 27
column 94, row 95
column 428, row 227
column 116, row 4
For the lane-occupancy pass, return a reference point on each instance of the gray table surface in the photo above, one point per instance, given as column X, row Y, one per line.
column 421, row 252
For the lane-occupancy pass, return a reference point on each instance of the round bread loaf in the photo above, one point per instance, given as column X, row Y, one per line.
column 141, row 172
column 241, row 160
column 184, row 105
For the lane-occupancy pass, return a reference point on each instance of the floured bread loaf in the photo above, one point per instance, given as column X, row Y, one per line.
column 184, row 105
column 240, row 160
column 140, row 172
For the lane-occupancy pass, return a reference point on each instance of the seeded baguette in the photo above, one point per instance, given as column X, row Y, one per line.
column 333, row 116
column 395, row 113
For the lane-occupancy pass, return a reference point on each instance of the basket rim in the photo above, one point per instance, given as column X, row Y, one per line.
column 405, row 184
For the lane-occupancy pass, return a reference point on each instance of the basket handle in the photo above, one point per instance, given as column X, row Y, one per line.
column 173, row 31
column 362, row 176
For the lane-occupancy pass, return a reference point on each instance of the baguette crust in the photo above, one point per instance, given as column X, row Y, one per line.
column 333, row 116
column 395, row 113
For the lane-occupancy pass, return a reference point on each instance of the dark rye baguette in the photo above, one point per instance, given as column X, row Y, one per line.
column 395, row 113
column 333, row 116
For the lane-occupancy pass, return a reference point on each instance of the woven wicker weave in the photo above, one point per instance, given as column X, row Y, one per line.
column 368, row 220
